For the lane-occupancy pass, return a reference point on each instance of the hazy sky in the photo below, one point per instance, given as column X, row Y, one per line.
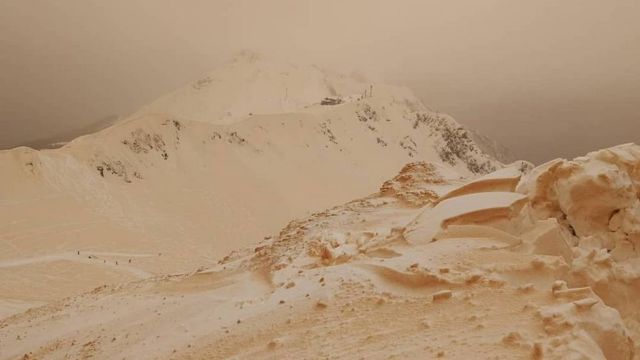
column 545, row 78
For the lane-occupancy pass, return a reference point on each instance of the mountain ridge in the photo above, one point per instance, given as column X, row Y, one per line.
column 417, row 269
column 191, row 191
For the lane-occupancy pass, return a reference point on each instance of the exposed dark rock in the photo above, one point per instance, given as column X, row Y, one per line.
column 410, row 145
column 331, row 101
column 457, row 143
column 367, row 114
column 234, row 138
column 326, row 131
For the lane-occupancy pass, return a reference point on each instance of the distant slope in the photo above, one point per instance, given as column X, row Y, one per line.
column 492, row 148
column 251, row 84
column 173, row 192
column 58, row 140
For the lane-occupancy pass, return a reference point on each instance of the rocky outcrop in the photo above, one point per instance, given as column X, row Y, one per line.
column 454, row 143
column 413, row 184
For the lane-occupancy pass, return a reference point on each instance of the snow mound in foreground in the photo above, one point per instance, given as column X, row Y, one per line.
column 535, row 263
column 595, row 196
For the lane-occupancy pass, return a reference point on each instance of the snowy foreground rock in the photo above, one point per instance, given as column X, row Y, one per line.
column 539, row 263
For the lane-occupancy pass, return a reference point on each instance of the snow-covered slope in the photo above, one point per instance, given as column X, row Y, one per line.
column 492, row 148
column 180, row 183
column 520, row 264
column 252, row 84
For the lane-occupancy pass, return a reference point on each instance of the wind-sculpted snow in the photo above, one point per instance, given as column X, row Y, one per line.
column 595, row 196
column 555, row 233
column 457, row 256
column 432, row 266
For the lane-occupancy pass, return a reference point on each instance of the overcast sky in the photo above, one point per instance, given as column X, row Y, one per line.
column 545, row 78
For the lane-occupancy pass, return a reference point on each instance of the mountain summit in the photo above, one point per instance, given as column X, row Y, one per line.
column 214, row 166
column 252, row 84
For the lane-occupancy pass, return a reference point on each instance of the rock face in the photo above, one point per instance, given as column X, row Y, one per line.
column 518, row 263
column 455, row 144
